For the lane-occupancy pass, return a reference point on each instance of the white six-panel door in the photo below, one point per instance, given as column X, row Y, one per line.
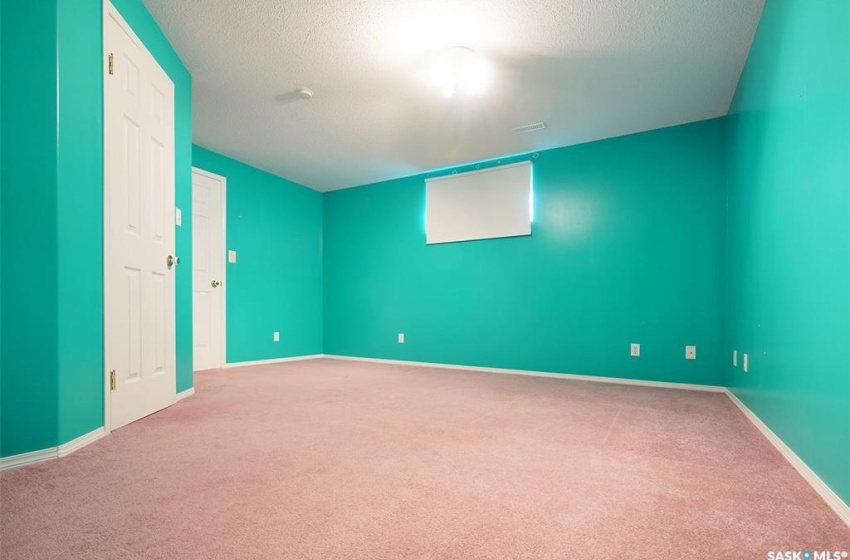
column 138, row 227
column 208, row 269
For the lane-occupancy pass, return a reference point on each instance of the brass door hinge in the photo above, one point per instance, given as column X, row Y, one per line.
column 112, row 380
column 111, row 64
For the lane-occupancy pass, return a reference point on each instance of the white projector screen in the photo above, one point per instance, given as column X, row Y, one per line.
column 484, row 204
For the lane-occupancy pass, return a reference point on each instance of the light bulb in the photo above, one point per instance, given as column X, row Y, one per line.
column 459, row 70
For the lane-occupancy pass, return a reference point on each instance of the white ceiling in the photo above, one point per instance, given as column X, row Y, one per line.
column 590, row 69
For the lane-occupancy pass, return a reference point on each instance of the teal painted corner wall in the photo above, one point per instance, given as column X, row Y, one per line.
column 275, row 226
column 789, row 232
column 52, row 218
column 79, row 221
column 627, row 246
column 29, row 354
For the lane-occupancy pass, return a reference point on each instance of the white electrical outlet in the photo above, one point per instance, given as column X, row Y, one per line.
column 231, row 256
column 746, row 362
column 178, row 217
column 401, row 338
column 276, row 336
column 690, row 352
column 735, row 358
column 636, row 350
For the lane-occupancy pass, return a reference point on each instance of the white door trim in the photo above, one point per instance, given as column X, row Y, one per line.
column 222, row 254
column 110, row 12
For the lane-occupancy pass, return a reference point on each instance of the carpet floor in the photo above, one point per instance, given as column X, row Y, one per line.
column 326, row 459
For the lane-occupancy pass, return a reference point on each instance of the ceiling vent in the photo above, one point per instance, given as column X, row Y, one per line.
column 529, row 128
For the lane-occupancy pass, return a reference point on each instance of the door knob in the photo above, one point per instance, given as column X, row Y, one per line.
column 215, row 283
column 171, row 261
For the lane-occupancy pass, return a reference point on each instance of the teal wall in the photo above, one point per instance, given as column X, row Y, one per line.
column 275, row 226
column 789, row 231
column 627, row 246
column 52, row 221
column 79, row 196
column 28, row 389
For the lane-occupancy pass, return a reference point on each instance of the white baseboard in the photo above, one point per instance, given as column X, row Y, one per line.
column 573, row 376
column 75, row 444
column 273, row 361
column 183, row 394
column 831, row 498
column 51, row 452
column 25, row 459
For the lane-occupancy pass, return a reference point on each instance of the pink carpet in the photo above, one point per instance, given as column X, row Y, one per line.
column 333, row 460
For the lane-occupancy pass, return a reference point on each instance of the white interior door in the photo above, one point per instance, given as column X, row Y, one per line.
column 139, row 227
column 208, row 193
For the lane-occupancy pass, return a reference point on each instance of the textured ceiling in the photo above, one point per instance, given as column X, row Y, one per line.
column 590, row 69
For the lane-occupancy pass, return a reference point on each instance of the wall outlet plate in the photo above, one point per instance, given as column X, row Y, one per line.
column 276, row 336
column 635, row 350
column 690, row 352
column 401, row 338
column 231, row 256
column 178, row 217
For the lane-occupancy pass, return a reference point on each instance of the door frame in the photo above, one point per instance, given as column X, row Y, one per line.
column 221, row 253
column 110, row 12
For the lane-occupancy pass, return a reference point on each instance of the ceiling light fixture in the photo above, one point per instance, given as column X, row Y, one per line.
column 459, row 70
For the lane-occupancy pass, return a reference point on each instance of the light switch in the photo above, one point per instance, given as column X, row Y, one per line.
column 231, row 256
column 636, row 350
column 401, row 338
column 746, row 362
column 178, row 217
column 690, row 352
column 735, row 358
column 276, row 336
